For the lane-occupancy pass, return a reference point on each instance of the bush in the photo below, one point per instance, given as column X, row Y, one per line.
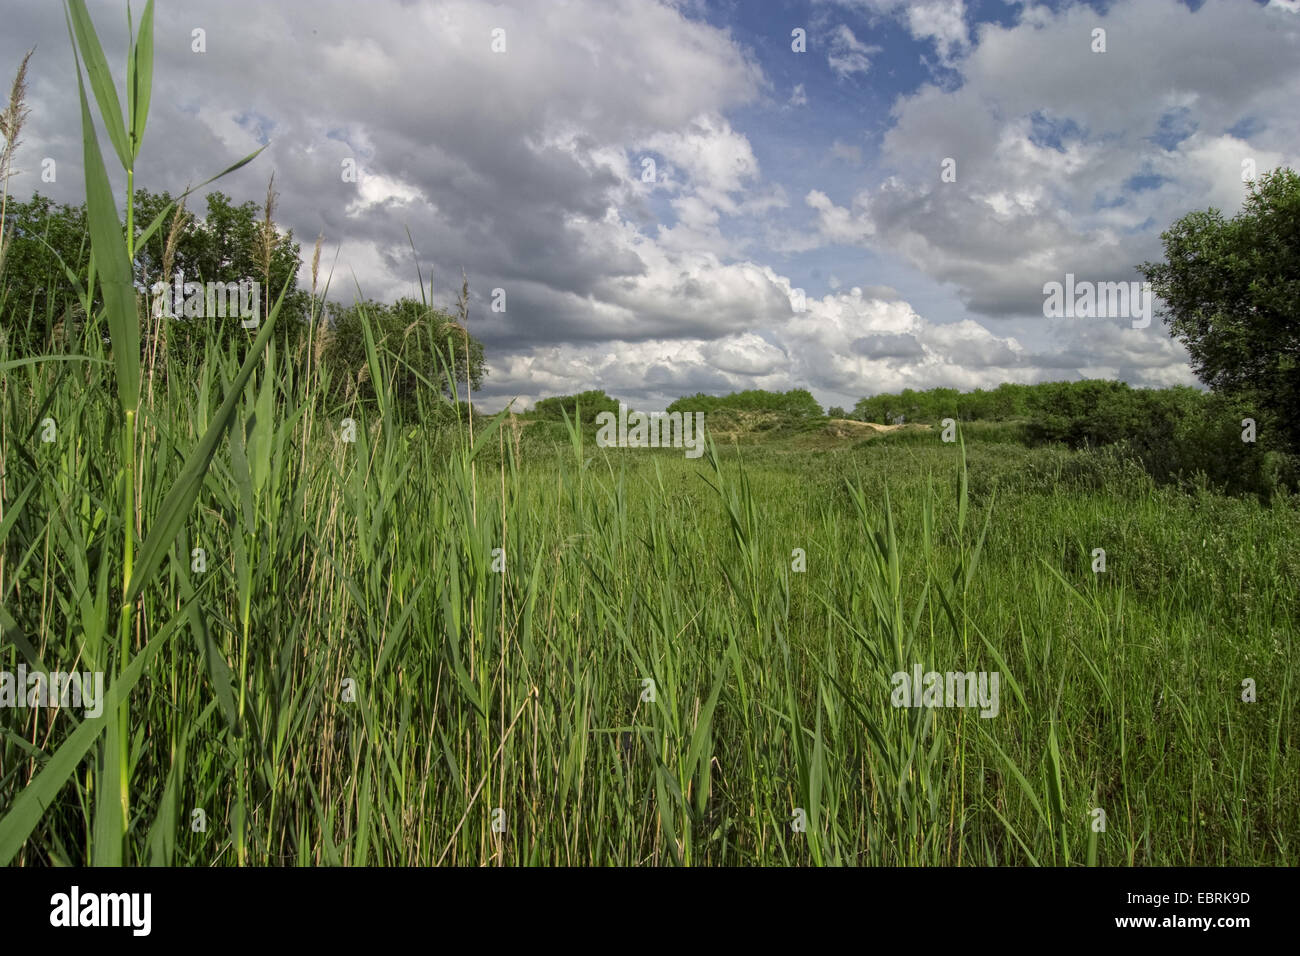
column 424, row 344
column 589, row 404
column 797, row 403
column 1178, row 435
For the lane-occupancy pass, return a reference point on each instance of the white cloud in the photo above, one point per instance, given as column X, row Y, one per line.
column 843, row 346
column 716, row 160
column 846, row 152
column 376, row 189
column 1041, row 166
column 839, row 225
column 848, row 55
column 745, row 354
column 942, row 21
column 524, row 167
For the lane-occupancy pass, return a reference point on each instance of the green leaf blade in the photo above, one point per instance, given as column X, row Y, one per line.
column 101, row 80
column 109, row 247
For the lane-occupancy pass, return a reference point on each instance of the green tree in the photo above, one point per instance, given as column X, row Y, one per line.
column 227, row 244
column 422, row 343
column 1231, row 289
column 797, row 402
column 35, row 295
column 591, row 403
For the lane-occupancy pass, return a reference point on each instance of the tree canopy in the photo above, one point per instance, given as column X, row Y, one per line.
column 589, row 404
column 932, row 405
column 230, row 243
column 1231, row 289
column 797, row 402
column 426, row 343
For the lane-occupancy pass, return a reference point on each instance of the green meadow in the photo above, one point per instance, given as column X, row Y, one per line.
column 401, row 641
column 337, row 632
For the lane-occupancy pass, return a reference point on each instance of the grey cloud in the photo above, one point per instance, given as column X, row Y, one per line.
column 888, row 346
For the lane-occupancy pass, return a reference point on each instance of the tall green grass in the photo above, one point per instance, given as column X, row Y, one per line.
column 456, row 645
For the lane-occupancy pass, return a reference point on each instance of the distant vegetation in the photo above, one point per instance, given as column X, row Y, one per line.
column 1174, row 434
column 798, row 403
column 588, row 404
column 935, row 404
column 45, row 313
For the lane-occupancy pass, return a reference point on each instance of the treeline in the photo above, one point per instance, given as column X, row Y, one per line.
column 42, row 312
column 933, row 405
column 1174, row 432
column 585, row 404
column 797, row 403
column 1076, row 413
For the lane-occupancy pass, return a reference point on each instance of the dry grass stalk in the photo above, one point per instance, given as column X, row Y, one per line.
column 269, row 237
column 315, row 262
column 12, row 118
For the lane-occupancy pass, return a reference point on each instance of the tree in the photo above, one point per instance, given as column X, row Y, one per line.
column 420, row 343
column 1231, row 289
column 589, row 404
column 35, row 296
column 1097, row 412
column 797, row 403
column 228, row 244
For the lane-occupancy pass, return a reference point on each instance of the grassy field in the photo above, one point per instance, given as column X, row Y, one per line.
column 517, row 696
column 342, row 635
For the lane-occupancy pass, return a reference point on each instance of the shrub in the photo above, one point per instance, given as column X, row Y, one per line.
column 798, row 402
column 589, row 404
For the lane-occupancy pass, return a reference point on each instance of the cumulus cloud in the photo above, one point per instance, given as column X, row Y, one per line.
column 1048, row 173
column 839, row 225
column 843, row 346
column 506, row 163
column 525, row 167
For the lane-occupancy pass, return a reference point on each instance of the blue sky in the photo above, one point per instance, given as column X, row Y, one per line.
column 775, row 171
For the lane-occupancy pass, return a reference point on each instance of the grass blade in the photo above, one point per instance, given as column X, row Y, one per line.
column 142, row 74
column 101, row 80
column 30, row 805
column 115, row 268
column 176, row 506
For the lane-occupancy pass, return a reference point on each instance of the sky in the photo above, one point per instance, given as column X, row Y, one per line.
column 662, row 197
